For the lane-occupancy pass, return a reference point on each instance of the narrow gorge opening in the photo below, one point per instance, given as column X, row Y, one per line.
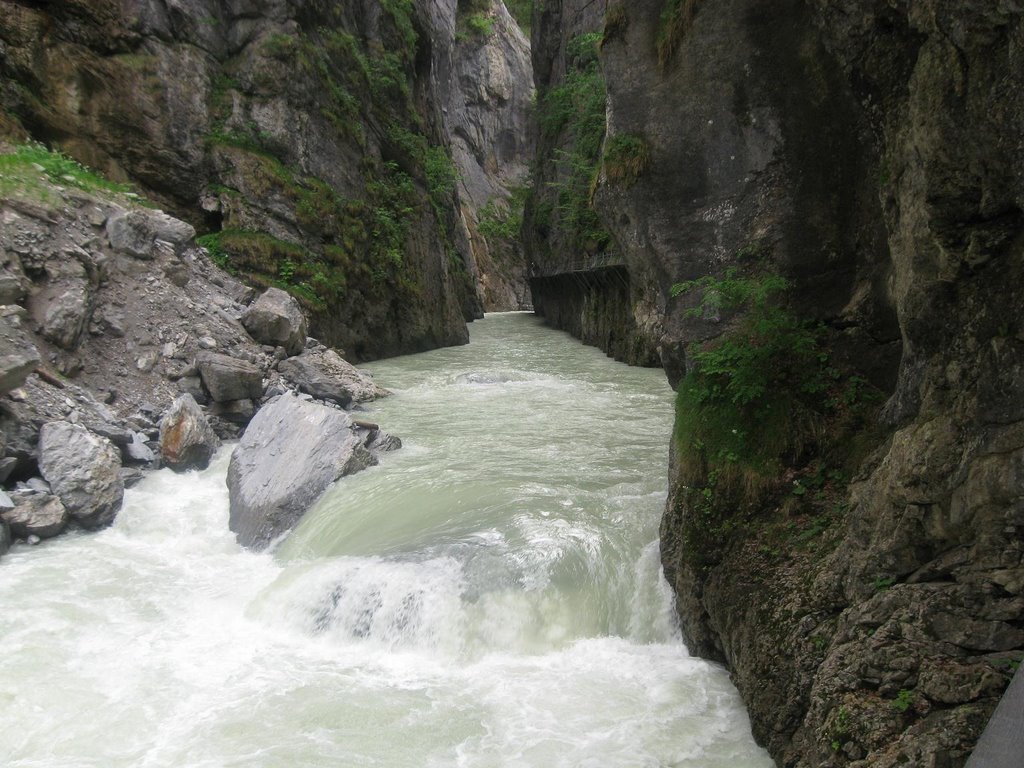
column 799, row 213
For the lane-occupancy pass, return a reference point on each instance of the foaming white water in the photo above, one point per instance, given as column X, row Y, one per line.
column 489, row 596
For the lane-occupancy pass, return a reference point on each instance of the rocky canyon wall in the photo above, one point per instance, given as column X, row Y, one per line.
column 863, row 582
column 308, row 139
column 581, row 278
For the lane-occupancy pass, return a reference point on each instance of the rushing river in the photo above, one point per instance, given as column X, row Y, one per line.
column 490, row 595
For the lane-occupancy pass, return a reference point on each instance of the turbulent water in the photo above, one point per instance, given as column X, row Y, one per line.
column 489, row 595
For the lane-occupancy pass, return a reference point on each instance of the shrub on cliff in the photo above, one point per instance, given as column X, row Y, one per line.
column 759, row 401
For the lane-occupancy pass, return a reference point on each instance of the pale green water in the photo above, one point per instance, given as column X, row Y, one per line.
column 488, row 596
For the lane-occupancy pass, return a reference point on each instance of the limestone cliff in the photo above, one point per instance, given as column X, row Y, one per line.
column 484, row 79
column 305, row 137
column 867, row 592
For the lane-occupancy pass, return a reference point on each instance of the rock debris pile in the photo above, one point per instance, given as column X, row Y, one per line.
column 123, row 348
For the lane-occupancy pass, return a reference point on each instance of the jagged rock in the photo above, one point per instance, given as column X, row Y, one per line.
column 18, row 355
column 62, row 309
column 276, row 318
column 323, row 374
column 137, row 451
column 291, row 451
column 5, row 537
column 7, row 465
column 137, row 231
column 228, row 378
column 235, row 411
column 36, row 514
column 83, row 469
column 186, row 439
column 379, row 441
column 131, row 476
column 11, row 289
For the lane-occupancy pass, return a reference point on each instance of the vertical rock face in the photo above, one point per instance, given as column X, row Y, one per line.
column 485, row 80
column 581, row 279
column 870, row 155
column 306, row 138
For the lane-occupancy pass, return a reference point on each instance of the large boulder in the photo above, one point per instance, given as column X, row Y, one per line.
column 291, row 451
column 36, row 514
column 276, row 318
column 228, row 378
column 323, row 374
column 83, row 469
column 137, row 232
column 18, row 355
column 186, row 439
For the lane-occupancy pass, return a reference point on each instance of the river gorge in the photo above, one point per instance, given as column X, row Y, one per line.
column 489, row 595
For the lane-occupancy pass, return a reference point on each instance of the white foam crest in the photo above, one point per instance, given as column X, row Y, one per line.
column 387, row 603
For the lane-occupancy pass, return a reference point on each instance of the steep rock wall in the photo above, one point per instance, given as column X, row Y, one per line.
column 485, row 81
column 582, row 280
column 868, row 598
column 309, row 133
column 869, row 153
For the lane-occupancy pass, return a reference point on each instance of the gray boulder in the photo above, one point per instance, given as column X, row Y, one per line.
column 292, row 450
column 61, row 310
column 36, row 514
column 186, row 439
column 276, row 318
column 228, row 378
column 5, row 537
column 83, row 469
column 136, row 232
column 137, row 451
column 323, row 374
column 18, row 355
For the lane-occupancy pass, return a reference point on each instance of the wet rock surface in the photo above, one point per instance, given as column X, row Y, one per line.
column 290, row 452
column 83, row 469
column 186, row 439
column 36, row 514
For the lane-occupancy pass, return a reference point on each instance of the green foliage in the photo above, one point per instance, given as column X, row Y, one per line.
column 626, row 157
column 501, row 220
column 29, row 167
column 903, row 701
column 522, row 12
column 279, row 46
column 477, row 25
column 438, row 169
column 575, row 109
column 755, row 400
column 676, row 20
column 402, row 13
column 880, row 585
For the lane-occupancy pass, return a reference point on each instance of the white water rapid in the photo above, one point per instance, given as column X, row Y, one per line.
column 489, row 596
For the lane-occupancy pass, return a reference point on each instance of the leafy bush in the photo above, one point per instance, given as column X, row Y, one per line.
column 576, row 109
column 752, row 393
column 502, row 220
